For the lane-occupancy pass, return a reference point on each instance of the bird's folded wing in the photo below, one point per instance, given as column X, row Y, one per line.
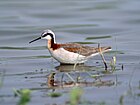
column 77, row 48
column 82, row 50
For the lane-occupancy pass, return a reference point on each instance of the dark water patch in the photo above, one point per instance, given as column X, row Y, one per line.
column 76, row 25
column 32, row 29
column 49, row 15
column 15, row 32
column 93, row 31
column 21, row 58
column 24, row 48
column 26, row 74
column 5, row 96
column 106, row 5
column 134, row 21
column 98, row 37
column 8, row 17
column 85, row 42
column 115, row 52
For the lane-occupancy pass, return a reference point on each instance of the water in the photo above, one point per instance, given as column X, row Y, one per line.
column 24, row 65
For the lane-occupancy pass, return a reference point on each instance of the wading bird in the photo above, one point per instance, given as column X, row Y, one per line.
column 69, row 53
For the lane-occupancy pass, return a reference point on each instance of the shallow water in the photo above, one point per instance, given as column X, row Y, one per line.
column 112, row 23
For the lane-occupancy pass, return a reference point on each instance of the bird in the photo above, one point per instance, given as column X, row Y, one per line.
column 69, row 53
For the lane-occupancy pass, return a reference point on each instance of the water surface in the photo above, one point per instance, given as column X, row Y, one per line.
column 108, row 22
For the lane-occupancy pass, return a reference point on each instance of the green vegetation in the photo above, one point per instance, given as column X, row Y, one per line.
column 55, row 94
column 121, row 99
column 75, row 96
column 24, row 95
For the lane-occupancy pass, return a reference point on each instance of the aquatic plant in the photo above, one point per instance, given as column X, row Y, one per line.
column 113, row 63
column 24, row 95
column 54, row 94
column 75, row 95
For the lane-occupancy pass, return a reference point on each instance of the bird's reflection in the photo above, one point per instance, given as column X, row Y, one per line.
column 79, row 75
column 78, row 67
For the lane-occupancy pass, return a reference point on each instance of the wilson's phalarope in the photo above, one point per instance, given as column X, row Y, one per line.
column 69, row 53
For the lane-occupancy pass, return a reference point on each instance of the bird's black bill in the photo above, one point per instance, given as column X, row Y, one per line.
column 35, row 39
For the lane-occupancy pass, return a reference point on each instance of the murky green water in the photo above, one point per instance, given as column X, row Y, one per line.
column 113, row 23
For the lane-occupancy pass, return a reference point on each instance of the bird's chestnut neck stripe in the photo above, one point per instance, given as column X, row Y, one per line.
column 52, row 41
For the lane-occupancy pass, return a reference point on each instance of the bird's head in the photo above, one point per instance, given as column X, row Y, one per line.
column 47, row 34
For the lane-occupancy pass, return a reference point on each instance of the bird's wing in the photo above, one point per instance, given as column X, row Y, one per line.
column 82, row 50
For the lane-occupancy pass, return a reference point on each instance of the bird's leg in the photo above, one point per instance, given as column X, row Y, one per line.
column 70, row 77
column 102, row 56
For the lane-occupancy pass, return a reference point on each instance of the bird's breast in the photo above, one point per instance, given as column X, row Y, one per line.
column 65, row 56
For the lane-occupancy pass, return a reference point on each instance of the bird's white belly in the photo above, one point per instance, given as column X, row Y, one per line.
column 64, row 56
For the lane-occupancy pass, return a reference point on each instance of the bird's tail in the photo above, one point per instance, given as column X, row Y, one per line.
column 105, row 49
